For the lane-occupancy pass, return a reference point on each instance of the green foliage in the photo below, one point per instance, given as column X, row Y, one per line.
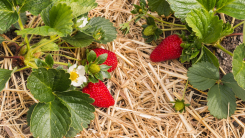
column 43, row 83
column 101, row 59
column 229, row 81
column 5, row 75
column 40, row 63
column 72, row 133
column 207, row 4
column 79, row 105
column 162, row 7
column 219, row 98
column 91, row 56
column 29, row 112
column 23, row 18
column 79, row 40
column 203, row 75
column 43, row 30
column 35, row 6
column 8, row 16
column 156, row 31
column 227, row 29
column 238, row 65
column 233, row 8
column 207, row 26
column 2, row 39
column 49, row 60
column 80, row 7
column 48, row 47
column 50, row 120
column 102, row 26
column 207, row 55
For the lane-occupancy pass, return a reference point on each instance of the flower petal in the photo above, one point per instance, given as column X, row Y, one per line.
column 71, row 68
column 80, row 70
column 82, row 79
column 76, row 84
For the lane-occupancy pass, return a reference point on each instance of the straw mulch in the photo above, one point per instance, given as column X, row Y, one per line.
column 142, row 91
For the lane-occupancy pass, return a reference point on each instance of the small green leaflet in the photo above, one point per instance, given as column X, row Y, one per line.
column 207, row 55
column 203, row 75
column 91, row 56
column 79, row 105
column 219, row 98
column 207, row 26
column 49, row 60
column 207, row 4
column 42, row 83
column 229, row 81
column 35, row 6
column 40, row 63
column 162, row 7
column 2, row 39
column 233, row 8
column 48, row 47
column 238, row 65
column 50, row 120
column 106, row 26
column 80, row 7
column 79, row 40
column 44, row 31
column 8, row 16
column 5, row 75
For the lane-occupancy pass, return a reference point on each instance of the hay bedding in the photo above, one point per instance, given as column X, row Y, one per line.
column 142, row 91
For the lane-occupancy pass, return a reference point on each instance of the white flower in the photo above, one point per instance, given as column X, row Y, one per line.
column 77, row 75
column 84, row 20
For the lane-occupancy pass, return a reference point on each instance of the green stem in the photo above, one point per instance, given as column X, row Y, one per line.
column 64, row 56
column 69, row 47
column 165, row 21
column 223, row 49
column 238, row 24
column 61, row 63
column 33, row 34
column 43, row 44
column 21, row 28
column 244, row 32
column 21, row 69
column 173, row 29
column 185, row 89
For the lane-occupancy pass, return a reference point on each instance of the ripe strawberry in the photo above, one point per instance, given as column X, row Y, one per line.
column 168, row 49
column 100, row 93
column 111, row 59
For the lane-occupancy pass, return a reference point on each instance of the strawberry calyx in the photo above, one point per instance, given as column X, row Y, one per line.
column 149, row 30
column 179, row 105
column 95, row 68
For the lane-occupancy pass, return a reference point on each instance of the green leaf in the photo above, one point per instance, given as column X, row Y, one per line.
column 106, row 26
column 44, row 31
column 42, row 83
column 59, row 17
column 104, row 67
column 23, row 20
column 207, row 4
column 79, row 105
column 79, row 40
column 106, row 74
column 49, row 60
column 99, row 76
column 2, row 39
column 35, row 6
column 91, row 57
column 207, row 26
column 207, row 55
column 219, row 97
column 72, row 133
column 182, row 7
column 227, row 29
column 162, row 7
column 80, row 7
column 8, row 16
column 101, row 59
column 48, row 47
column 5, row 75
column 92, row 79
column 40, row 63
column 29, row 112
column 238, row 65
column 51, row 120
column 203, row 75
column 233, row 8
column 229, row 81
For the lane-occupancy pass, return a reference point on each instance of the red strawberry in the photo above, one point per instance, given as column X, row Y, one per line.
column 111, row 59
column 168, row 49
column 100, row 93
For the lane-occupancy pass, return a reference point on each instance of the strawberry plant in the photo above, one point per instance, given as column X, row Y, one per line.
column 63, row 109
column 205, row 29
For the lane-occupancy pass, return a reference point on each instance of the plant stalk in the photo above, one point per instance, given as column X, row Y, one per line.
column 21, row 28
column 61, row 63
column 64, row 56
column 223, row 49
column 21, row 69
column 165, row 21
column 238, row 24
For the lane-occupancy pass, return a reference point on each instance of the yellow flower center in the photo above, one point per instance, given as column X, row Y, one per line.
column 73, row 76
